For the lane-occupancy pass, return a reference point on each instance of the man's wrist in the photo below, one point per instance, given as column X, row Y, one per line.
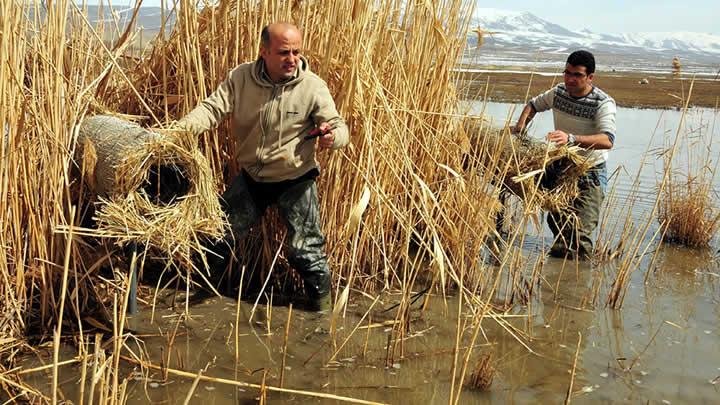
column 571, row 138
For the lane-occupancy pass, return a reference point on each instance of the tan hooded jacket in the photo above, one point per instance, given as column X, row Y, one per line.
column 270, row 119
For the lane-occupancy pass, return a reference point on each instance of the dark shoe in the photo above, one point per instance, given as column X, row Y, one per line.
column 559, row 252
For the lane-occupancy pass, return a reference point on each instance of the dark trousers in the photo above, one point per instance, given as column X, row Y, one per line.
column 573, row 230
column 245, row 202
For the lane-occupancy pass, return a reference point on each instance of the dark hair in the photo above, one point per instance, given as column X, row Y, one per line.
column 265, row 36
column 582, row 58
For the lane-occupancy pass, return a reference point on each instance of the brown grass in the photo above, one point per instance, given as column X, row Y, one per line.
column 662, row 91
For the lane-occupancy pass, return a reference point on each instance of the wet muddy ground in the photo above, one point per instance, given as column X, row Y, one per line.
column 662, row 90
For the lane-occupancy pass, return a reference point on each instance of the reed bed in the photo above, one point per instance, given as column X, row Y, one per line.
column 405, row 153
column 42, row 96
column 389, row 69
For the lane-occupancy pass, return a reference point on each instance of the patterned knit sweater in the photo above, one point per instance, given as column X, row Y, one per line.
column 588, row 115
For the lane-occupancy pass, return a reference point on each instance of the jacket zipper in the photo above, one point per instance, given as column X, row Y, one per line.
column 265, row 127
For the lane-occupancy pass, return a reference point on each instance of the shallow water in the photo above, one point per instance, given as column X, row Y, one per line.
column 663, row 346
column 667, row 330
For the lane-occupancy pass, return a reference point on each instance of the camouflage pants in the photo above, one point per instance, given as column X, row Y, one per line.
column 573, row 230
column 245, row 202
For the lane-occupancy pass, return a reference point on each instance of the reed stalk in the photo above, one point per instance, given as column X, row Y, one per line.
column 285, row 343
column 568, row 395
column 242, row 384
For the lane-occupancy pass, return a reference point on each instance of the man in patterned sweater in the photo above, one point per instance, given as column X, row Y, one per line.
column 583, row 115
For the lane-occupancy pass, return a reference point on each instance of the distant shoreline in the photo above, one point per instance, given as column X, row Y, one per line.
column 662, row 90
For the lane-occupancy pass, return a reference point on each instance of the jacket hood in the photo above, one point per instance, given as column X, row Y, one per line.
column 262, row 80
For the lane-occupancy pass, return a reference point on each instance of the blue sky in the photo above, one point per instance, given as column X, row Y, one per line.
column 606, row 16
column 611, row 16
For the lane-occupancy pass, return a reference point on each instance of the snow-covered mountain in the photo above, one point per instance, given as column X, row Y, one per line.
column 676, row 41
column 523, row 30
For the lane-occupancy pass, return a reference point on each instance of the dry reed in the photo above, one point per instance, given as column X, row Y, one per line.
column 687, row 208
column 639, row 244
column 691, row 215
column 176, row 228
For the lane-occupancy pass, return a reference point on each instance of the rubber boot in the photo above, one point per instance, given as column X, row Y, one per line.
column 322, row 303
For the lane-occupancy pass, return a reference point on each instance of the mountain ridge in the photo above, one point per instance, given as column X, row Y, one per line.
column 513, row 29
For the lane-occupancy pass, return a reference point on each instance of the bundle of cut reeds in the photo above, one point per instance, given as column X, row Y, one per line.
column 544, row 175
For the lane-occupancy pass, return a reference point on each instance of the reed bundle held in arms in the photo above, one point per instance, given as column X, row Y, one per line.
column 152, row 189
column 544, row 175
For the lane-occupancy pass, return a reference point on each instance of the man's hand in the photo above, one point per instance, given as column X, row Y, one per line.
column 517, row 130
column 328, row 139
column 521, row 126
column 559, row 137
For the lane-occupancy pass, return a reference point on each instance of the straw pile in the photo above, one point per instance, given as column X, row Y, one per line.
column 154, row 190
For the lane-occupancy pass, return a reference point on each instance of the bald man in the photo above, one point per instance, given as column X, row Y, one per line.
column 279, row 111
